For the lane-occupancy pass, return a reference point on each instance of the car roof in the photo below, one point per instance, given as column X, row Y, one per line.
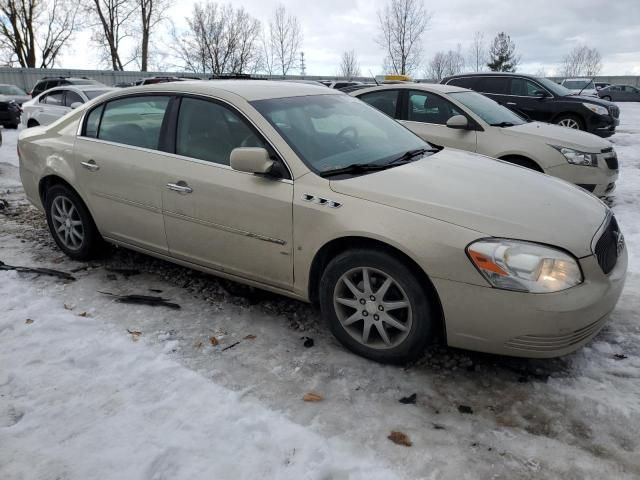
column 429, row 87
column 248, row 89
column 577, row 79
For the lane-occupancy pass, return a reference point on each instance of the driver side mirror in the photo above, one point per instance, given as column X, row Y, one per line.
column 458, row 122
column 251, row 160
column 75, row 105
column 541, row 93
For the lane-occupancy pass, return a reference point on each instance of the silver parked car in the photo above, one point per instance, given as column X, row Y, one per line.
column 620, row 93
column 313, row 194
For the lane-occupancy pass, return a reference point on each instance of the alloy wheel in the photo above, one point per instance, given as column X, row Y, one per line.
column 569, row 123
column 373, row 308
column 67, row 224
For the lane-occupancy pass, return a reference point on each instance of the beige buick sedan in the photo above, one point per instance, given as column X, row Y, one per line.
column 316, row 195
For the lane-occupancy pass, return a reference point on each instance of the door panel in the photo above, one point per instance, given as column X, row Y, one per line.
column 231, row 221
column 218, row 217
column 121, row 173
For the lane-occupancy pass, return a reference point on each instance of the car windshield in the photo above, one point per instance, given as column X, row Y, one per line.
column 329, row 132
column 91, row 94
column 11, row 90
column 579, row 84
column 555, row 88
column 490, row 111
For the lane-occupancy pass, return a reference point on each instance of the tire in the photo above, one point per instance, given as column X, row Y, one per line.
column 607, row 98
column 12, row 126
column 570, row 121
column 62, row 203
column 362, row 308
column 32, row 123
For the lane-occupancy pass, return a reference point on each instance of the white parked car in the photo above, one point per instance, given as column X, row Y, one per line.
column 581, row 86
column 49, row 106
column 454, row 117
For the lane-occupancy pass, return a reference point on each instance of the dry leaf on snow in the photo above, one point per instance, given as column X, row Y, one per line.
column 250, row 337
column 400, row 438
column 214, row 341
column 312, row 397
column 28, row 321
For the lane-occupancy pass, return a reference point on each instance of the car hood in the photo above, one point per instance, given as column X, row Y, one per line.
column 19, row 99
column 586, row 98
column 559, row 136
column 486, row 195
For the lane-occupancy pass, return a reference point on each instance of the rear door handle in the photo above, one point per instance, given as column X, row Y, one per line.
column 91, row 165
column 180, row 187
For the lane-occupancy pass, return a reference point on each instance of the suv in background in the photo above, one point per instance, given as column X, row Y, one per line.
column 49, row 82
column 581, row 86
column 541, row 99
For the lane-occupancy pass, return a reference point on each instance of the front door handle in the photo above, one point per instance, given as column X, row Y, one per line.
column 180, row 187
column 511, row 104
column 91, row 165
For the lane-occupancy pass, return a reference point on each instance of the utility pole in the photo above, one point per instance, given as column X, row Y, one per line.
column 303, row 67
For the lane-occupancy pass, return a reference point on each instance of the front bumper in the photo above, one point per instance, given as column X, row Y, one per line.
column 600, row 180
column 604, row 125
column 531, row 325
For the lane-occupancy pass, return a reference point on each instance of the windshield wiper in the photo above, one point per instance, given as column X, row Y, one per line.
column 407, row 157
column 502, row 124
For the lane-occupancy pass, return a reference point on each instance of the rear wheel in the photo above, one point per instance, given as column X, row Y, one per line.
column 70, row 223
column 607, row 98
column 32, row 123
column 570, row 121
column 376, row 306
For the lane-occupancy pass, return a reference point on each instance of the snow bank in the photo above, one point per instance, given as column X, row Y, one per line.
column 81, row 401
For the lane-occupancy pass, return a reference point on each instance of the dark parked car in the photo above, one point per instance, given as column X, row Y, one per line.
column 620, row 93
column 49, row 82
column 543, row 100
column 11, row 100
column 600, row 85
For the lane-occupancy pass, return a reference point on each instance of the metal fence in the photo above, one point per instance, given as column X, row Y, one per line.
column 26, row 78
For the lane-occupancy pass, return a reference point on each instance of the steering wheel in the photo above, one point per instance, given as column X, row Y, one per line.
column 353, row 140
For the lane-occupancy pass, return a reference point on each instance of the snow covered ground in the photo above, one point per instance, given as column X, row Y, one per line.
column 81, row 397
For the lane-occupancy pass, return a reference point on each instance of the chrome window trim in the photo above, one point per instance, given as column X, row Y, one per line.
column 175, row 155
column 183, row 94
column 503, row 94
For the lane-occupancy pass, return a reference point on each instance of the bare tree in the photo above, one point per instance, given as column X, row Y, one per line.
column 402, row 24
column 437, row 67
column 219, row 40
column 152, row 13
column 349, row 66
column 502, row 54
column 34, row 32
column 582, row 61
column 444, row 64
column 285, row 38
column 478, row 53
column 113, row 20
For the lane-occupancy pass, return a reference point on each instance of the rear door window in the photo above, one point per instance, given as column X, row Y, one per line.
column 134, row 121
column 495, row 85
column 427, row 107
column 464, row 82
column 53, row 98
column 384, row 100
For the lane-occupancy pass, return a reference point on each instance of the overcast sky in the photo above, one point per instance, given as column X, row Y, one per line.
column 543, row 30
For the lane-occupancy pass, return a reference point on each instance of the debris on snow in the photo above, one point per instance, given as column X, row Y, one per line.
column 410, row 400
column 40, row 271
column 466, row 409
column 400, row 438
column 150, row 300
column 308, row 342
column 312, row 397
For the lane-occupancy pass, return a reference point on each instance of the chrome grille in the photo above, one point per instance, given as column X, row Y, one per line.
column 609, row 246
column 614, row 111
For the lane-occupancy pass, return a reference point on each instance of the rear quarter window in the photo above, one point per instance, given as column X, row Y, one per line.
column 464, row 82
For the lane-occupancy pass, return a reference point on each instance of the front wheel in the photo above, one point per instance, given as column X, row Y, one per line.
column 607, row 98
column 376, row 306
column 570, row 121
column 70, row 223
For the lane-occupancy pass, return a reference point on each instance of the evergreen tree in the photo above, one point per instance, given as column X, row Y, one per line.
column 502, row 57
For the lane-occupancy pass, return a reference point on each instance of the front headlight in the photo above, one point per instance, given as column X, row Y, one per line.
column 596, row 109
column 576, row 157
column 524, row 266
